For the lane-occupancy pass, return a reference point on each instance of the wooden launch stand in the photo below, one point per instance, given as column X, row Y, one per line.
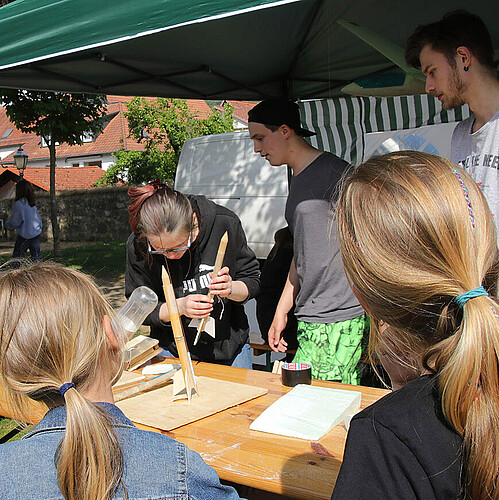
column 188, row 399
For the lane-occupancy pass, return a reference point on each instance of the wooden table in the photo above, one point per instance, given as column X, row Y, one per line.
column 291, row 467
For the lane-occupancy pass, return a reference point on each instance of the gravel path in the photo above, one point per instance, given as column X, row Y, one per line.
column 114, row 291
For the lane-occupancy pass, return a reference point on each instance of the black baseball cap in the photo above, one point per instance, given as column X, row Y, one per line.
column 278, row 112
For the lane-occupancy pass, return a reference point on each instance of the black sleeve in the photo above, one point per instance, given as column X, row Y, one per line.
column 378, row 465
column 247, row 267
column 138, row 272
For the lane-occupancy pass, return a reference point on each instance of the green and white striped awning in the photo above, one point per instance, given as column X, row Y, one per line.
column 342, row 123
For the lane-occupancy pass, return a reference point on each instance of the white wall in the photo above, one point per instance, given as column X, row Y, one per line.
column 106, row 159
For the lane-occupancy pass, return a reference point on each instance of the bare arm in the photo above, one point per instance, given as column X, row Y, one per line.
column 289, row 293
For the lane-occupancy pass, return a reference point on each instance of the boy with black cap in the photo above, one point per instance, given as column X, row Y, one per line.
column 331, row 323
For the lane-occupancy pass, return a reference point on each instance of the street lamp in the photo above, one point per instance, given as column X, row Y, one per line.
column 21, row 160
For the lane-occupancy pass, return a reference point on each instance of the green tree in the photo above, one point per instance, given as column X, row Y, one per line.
column 163, row 125
column 58, row 118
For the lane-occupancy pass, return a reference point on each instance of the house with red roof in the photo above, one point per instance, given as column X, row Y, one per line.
column 78, row 166
column 239, row 111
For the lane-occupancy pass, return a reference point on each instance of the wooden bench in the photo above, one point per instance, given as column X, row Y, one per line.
column 260, row 347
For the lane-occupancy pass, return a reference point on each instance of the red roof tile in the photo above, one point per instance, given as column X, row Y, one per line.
column 111, row 139
column 197, row 106
column 66, row 178
column 239, row 109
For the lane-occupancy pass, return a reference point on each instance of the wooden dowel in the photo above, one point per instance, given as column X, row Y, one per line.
column 178, row 334
column 218, row 265
column 148, row 385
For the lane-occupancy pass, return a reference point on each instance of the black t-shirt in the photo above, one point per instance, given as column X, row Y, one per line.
column 401, row 447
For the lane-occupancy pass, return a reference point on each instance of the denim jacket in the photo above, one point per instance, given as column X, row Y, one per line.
column 156, row 466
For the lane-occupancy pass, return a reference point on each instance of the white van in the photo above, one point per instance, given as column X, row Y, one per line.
column 225, row 169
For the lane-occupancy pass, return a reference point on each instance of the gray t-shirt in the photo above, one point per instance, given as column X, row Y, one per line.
column 478, row 153
column 325, row 295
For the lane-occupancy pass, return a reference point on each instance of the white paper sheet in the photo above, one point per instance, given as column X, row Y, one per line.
column 307, row 412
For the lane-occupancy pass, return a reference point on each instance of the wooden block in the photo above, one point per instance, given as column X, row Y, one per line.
column 157, row 408
column 127, row 380
column 139, row 350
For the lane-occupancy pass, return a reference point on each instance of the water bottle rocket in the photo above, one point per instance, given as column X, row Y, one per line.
column 133, row 313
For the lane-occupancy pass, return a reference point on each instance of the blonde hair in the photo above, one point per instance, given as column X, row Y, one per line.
column 415, row 232
column 51, row 333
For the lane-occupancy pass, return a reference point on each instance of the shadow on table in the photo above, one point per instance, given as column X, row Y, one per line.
column 327, row 465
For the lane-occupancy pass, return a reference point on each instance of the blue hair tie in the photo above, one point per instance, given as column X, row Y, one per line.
column 65, row 387
column 476, row 292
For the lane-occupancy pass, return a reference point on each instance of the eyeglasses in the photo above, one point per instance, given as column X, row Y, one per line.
column 167, row 252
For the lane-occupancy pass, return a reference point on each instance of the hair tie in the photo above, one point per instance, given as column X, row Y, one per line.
column 65, row 387
column 471, row 294
column 157, row 185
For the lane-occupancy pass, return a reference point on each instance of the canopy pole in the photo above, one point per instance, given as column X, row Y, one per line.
column 235, row 82
column 46, row 71
column 145, row 76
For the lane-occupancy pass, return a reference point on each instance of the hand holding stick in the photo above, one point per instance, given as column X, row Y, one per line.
column 216, row 269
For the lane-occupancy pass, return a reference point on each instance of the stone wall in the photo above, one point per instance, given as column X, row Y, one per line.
column 98, row 214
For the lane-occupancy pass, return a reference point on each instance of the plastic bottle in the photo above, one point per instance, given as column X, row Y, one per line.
column 140, row 304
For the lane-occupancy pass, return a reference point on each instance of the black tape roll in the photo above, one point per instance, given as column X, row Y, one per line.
column 296, row 373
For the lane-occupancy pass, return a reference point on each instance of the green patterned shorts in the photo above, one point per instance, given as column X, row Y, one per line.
column 333, row 349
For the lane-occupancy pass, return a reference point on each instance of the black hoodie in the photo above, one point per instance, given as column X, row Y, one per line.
column 190, row 275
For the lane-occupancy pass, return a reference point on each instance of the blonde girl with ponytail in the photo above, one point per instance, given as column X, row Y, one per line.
column 420, row 251
column 57, row 346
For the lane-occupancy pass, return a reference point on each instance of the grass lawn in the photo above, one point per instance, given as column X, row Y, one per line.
column 6, row 425
column 105, row 261
column 102, row 260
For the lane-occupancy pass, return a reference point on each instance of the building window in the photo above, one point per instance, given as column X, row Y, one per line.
column 7, row 133
column 87, row 137
column 45, row 144
column 75, row 165
column 95, row 163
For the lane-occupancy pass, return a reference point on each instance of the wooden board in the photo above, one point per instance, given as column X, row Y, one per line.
column 127, row 379
column 157, row 409
column 139, row 350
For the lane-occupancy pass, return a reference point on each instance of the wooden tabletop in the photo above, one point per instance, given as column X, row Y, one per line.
column 291, row 467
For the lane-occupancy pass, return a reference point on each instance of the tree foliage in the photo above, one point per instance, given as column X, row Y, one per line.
column 58, row 118
column 163, row 125
column 55, row 115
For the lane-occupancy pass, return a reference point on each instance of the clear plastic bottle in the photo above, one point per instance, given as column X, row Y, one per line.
column 140, row 304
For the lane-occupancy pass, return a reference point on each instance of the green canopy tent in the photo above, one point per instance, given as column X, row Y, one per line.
column 230, row 49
